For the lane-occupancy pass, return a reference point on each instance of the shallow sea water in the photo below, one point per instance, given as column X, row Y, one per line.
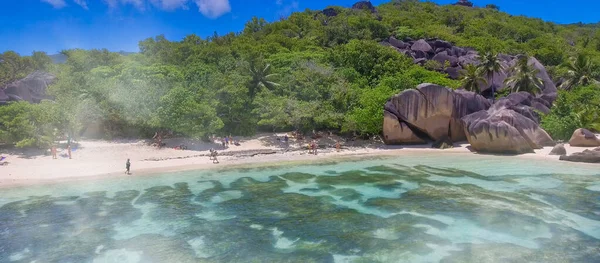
column 421, row 208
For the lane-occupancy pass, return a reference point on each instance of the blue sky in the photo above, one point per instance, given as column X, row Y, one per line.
column 54, row 25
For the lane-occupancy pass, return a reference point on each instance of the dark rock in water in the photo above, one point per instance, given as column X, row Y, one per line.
column 32, row 88
column 364, row 5
column 559, row 149
column 429, row 113
column 584, row 138
column 443, row 143
column 329, row 12
column 587, row 156
column 421, row 45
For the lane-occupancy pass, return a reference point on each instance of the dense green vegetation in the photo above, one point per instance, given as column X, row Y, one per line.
column 306, row 72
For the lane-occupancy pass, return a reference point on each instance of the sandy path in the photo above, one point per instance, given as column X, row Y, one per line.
column 92, row 159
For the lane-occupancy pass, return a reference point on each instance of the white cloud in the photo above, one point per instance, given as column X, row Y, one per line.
column 56, row 3
column 170, row 5
column 81, row 3
column 213, row 8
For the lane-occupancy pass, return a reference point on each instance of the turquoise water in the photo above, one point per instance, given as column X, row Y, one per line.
column 434, row 208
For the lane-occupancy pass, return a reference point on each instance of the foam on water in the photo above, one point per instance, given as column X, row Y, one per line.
column 595, row 188
column 282, row 242
column 119, row 256
column 344, row 258
column 20, row 255
column 198, row 244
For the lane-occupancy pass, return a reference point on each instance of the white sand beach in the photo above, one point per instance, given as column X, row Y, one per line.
column 100, row 158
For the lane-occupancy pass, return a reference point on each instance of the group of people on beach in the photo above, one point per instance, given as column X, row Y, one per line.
column 227, row 140
column 54, row 151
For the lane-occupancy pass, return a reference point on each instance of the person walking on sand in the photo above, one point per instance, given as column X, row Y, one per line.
column 127, row 167
column 314, row 146
column 337, row 145
column 69, row 150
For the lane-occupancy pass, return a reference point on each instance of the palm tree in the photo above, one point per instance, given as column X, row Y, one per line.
column 525, row 77
column 490, row 65
column 261, row 78
column 470, row 78
column 582, row 72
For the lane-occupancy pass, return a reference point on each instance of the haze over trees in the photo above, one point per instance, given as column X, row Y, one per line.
column 311, row 71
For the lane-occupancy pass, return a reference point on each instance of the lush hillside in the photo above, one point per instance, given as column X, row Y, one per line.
column 315, row 70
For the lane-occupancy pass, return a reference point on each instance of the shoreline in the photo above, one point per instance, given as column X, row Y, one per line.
column 97, row 160
column 256, row 162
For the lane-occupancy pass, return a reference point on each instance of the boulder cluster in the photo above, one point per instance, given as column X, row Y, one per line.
column 509, row 126
column 453, row 59
column 31, row 88
column 429, row 113
column 432, row 113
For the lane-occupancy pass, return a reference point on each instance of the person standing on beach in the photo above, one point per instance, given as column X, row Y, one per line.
column 127, row 166
column 69, row 150
column 53, row 151
column 337, row 145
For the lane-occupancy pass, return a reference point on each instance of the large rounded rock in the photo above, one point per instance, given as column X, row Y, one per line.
column 559, row 149
column 489, row 136
column 398, row 43
column 396, row 132
column 584, row 138
column 32, row 88
column 504, row 131
column 429, row 113
column 587, row 156
column 442, row 57
column 468, row 59
column 421, row 45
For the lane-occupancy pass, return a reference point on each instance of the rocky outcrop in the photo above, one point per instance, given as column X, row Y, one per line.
column 330, row 12
column 584, row 138
column 559, row 149
column 454, row 59
column 510, row 126
column 364, row 5
column 429, row 113
column 466, row 3
column 32, row 88
column 587, row 156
